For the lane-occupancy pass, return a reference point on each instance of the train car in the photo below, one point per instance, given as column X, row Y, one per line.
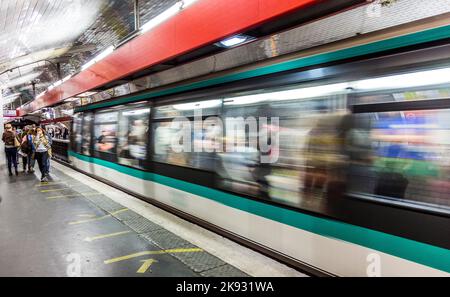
column 347, row 175
column 58, row 131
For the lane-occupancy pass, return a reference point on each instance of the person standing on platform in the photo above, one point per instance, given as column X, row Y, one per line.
column 23, row 148
column 14, row 129
column 43, row 152
column 28, row 148
column 50, row 141
column 11, row 144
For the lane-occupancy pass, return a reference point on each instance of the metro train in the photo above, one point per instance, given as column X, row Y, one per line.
column 356, row 180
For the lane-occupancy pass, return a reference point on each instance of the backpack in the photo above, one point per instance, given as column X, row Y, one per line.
column 25, row 146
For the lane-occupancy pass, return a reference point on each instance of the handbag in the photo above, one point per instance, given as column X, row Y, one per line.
column 25, row 147
column 16, row 142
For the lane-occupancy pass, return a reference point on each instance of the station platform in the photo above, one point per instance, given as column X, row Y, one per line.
column 74, row 225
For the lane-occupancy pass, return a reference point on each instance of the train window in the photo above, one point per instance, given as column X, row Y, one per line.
column 133, row 136
column 305, row 154
column 58, row 130
column 77, row 133
column 105, row 133
column 86, row 134
column 402, row 155
column 180, row 141
column 163, row 134
column 324, row 151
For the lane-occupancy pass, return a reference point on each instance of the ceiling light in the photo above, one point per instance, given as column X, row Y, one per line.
column 54, row 85
column 199, row 105
column 136, row 112
column 415, row 79
column 311, row 92
column 242, row 100
column 66, row 78
column 186, row 3
column 165, row 15
column 99, row 57
column 234, row 41
column 41, row 94
column 86, row 94
column 301, row 93
column 71, row 99
column 67, row 111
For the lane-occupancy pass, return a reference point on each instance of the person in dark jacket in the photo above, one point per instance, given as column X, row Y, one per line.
column 10, row 140
column 28, row 148
column 23, row 149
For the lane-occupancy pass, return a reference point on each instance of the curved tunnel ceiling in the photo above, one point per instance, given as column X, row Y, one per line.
column 44, row 40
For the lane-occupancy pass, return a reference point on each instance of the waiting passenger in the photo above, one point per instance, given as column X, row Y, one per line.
column 11, row 144
column 43, row 152
column 50, row 141
column 28, row 148
column 23, row 150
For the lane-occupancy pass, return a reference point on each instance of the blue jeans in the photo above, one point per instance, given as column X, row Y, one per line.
column 42, row 159
column 11, row 157
column 48, row 164
column 30, row 161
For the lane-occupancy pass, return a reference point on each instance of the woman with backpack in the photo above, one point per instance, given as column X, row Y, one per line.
column 27, row 147
column 22, row 153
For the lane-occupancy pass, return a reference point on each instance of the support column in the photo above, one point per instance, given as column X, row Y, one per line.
column 1, row 114
column 137, row 19
column 1, row 128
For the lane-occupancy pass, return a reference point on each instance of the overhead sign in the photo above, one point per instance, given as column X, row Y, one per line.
column 9, row 113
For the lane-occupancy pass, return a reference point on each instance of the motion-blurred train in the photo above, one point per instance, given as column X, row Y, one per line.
column 360, row 133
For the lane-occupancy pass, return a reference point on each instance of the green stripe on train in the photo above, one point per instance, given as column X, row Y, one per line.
column 370, row 48
column 426, row 254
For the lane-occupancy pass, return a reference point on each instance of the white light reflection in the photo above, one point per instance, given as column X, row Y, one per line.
column 167, row 14
column 200, row 104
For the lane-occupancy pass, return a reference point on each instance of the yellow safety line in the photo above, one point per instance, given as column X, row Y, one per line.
column 87, row 215
column 97, row 219
column 90, row 239
column 119, row 211
column 89, row 220
column 54, row 190
column 74, row 195
column 127, row 257
column 146, row 265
